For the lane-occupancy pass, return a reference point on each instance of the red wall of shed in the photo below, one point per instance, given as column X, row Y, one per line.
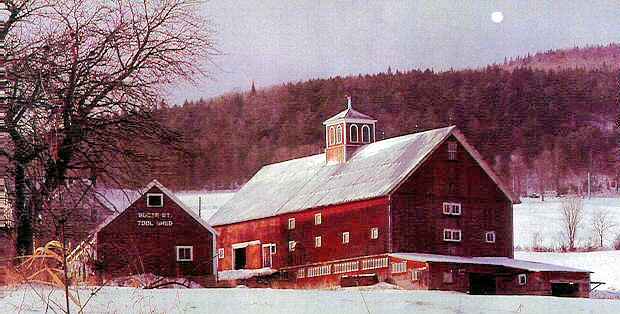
column 123, row 247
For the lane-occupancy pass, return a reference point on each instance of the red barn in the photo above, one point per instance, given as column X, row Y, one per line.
column 156, row 234
column 423, row 210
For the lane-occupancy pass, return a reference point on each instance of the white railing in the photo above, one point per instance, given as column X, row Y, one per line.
column 399, row 267
column 346, row 267
column 375, row 263
column 318, row 271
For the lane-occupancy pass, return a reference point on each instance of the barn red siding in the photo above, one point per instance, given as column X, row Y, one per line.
column 356, row 218
column 123, row 247
column 418, row 221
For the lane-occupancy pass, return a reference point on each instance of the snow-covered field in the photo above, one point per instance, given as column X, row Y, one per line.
column 273, row 301
column 533, row 217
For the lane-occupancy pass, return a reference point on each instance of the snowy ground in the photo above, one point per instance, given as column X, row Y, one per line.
column 350, row 300
column 534, row 216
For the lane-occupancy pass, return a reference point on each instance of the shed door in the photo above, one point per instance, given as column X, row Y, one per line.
column 482, row 284
column 565, row 289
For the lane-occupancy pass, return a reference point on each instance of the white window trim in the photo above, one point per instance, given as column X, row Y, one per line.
column 448, row 208
column 366, row 140
column 318, row 241
column 291, row 246
column 374, row 233
column 178, row 249
column 338, row 134
column 452, row 150
column 220, row 253
column 522, row 279
column 351, row 132
column 331, row 134
column 345, row 237
column 318, row 219
column 148, row 197
column 489, row 237
column 241, row 245
column 291, row 224
column 452, row 232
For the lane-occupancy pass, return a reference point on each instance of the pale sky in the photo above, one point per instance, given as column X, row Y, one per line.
column 274, row 42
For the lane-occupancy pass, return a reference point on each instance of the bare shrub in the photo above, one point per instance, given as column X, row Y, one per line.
column 572, row 217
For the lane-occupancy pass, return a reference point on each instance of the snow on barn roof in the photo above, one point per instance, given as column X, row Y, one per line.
column 491, row 260
column 373, row 171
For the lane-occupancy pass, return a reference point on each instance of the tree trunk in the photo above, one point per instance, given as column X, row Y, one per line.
column 23, row 214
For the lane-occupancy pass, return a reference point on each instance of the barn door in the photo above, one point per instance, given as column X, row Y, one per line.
column 240, row 258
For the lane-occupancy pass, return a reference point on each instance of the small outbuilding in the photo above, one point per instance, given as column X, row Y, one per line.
column 156, row 234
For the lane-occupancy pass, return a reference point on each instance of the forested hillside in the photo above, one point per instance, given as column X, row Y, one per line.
column 589, row 58
column 542, row 129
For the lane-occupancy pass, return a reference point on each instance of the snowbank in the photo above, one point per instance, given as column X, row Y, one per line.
column 244, row 273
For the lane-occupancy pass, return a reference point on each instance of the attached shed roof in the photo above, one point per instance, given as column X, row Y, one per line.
column 496, row 261
column 374, row 170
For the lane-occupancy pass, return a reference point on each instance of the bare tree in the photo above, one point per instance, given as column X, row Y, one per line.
column 572, row 216
column 601, row 224
column 82, row 76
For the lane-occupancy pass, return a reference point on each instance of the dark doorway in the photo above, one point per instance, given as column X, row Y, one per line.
column 240, row 258
column 565, row 289
column 481, row 284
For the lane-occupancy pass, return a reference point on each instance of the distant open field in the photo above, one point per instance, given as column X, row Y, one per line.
column 535, row 216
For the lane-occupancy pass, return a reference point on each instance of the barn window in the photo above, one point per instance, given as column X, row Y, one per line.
column 318, row 219
column 374, row 233
column 154, row 200
column 317, row 241
column 345, row 237
column 185, row 253
column 452, row 235
column 451, row 208
column 291, row 223
column 332, row 135
column 220, row 253
column 452, row 150
column 366, row 134
column 353, row 133
column 448, row 277
column 522, row 279
column 339, row 134
column 291, row 246
column 489, row 237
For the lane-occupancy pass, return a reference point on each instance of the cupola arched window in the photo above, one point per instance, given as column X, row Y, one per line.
column 331, row 135
column 339, row 134
column 353, row 133
column 366, row 134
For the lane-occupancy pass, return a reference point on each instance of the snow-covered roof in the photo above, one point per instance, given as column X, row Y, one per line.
column 349, row 114
column 374, row 170
column 497, row 261
column 171, row 196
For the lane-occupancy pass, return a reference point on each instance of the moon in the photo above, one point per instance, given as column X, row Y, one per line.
column 497, row 17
